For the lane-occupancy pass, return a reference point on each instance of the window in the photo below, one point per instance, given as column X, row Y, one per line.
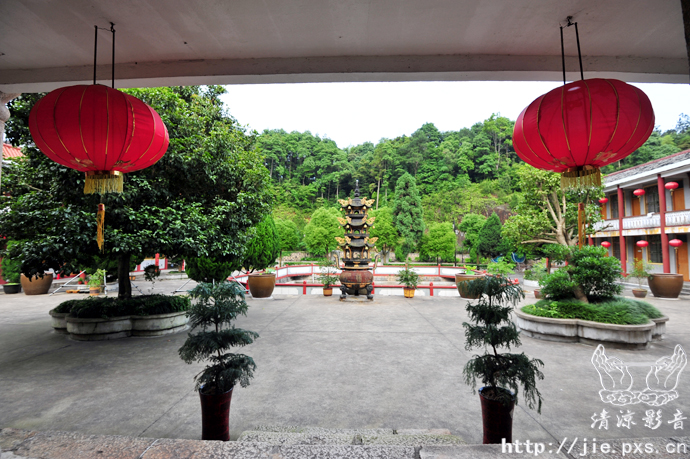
column 654, row 249
column 613, row 202
column 651, row 199
column 615, row 245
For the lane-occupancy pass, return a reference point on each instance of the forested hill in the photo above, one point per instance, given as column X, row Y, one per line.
column 457, row 172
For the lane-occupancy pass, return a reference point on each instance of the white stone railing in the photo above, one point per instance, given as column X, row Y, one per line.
column 678, row 218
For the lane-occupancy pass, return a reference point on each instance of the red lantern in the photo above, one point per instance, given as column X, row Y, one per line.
column 603, row 200
column 582, row 126
column 675, row 243
column 671, row 186
column 606, row 244
column 642, row 243
column 639, row 192
column 100, row 131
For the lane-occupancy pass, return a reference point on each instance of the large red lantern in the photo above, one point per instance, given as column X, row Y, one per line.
column 582, row 126
column 642, row 243
column 639, row 192
column 603, row 200
column 606, row 244
column 675, row 243
column 671, row 186
column 100, row 131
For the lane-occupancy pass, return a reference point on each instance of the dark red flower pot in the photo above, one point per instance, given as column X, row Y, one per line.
column 497, row 419
column 215, row 415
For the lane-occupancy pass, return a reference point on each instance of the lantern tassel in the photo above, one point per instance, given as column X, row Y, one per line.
column 100, row 222
column 581, row 177
column 103, row 182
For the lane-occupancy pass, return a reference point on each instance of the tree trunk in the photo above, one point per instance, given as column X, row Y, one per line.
column 124, row 285
column 378, row 187
column 580, row 295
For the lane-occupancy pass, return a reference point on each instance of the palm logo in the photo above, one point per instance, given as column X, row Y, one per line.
column 617, row 380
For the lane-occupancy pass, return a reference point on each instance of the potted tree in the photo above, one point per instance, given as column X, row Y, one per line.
column 329, row 276
column 640, row 271
column 11, row 272
column 462, row 279
column 262, row 251
column 409, row 278
column 500, row 374
column 214, row 309
column 96, row 285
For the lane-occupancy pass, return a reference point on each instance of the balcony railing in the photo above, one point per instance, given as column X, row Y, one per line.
column 678, row 218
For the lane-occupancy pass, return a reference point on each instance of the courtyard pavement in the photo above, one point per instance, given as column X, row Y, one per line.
column 392, row 362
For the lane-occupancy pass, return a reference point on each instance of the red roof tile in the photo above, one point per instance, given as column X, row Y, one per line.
column 8, row 151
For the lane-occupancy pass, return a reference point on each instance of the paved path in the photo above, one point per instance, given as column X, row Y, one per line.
column 390, row 363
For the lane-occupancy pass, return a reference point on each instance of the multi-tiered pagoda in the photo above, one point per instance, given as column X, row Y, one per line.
column 358, row 248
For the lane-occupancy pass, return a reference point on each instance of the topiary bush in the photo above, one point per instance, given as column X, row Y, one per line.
column 590, row 276
column 619, row 310
column 263, row 248
column 210, row 269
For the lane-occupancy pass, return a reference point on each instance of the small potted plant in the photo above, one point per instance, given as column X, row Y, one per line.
column 96, row 285
column 640, row 271
column 215, row 307
column 11, row 271
column 328, row 277
column 409, row 278
column 500, row 374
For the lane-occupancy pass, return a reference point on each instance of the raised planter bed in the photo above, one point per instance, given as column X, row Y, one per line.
column 584, row 331
column 59, row 321
column 120, row 327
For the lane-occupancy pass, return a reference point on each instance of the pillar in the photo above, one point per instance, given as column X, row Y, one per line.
column 665, row 257
column 621, row 238
column 4, row 116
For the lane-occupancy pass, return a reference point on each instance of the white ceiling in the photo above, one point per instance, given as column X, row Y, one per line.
column 45, row 44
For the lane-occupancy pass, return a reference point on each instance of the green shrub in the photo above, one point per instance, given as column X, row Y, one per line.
column 264, row 247
column 502, row 267
column 537, row 271
column 619, row 310
column 11, row 267
column 104, row 308
column 408, row 277
column 210, row 269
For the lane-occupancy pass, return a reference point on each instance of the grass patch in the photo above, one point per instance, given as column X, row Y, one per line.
column 619, row 310
column 104, row 308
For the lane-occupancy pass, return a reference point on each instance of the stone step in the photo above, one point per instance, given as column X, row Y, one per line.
column 293, row 435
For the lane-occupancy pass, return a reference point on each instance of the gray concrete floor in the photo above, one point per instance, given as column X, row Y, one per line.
column 392, row 363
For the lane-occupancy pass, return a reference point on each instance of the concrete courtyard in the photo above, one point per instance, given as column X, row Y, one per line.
column 392, row 363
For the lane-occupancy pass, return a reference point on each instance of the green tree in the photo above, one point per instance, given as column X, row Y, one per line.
column 263, row 247
column 441, row 241
column 490, row 237
column 472, row 225
column 408, row 214
column 199, row 200
column 322, row 229
column 288, row 234
column 384, row 230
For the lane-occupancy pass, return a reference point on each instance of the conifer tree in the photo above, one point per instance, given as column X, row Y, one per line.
column 490, row 237
column 408, row 214
column 264, row 247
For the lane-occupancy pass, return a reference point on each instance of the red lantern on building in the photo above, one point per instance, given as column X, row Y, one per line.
column 675, row 243
column 639, row 192
column 603, row 201
column 642, row 243
column 100, row 131
column 582, row 126
column 606, row 244
column 671, row 186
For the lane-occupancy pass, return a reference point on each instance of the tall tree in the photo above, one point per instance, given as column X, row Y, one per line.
column 321, row 231
column 199, row 200
column 471, row 225
column 384, row 230
column 441, row 241
column 408, row 214
column 490, row 237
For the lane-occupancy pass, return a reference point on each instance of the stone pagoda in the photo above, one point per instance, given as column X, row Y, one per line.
column 358, row 248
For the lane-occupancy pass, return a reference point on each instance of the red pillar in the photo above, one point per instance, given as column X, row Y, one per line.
column 662, row 221
column 621, row 238
column 591, row 241
column 431, row 289
column 157, row 259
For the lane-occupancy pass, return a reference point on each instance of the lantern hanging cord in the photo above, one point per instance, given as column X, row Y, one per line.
column 95, row 52
column 579, row 53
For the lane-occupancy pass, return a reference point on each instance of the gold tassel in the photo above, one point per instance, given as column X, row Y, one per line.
column 103, row 182
column 100, row 221
column 581, row 177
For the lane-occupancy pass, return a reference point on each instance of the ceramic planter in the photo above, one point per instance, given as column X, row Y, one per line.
column 409, row 292
column 639, row 292
column 497, row 419
column 537, row 294
column 36, row 285
column 328, row 291
column 94, row 291
column 461, row 281
column 261, row 285
column 11, row 288
column 215, row 415
column 666, row 285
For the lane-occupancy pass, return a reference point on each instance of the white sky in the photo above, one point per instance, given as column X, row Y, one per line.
column 353, row 113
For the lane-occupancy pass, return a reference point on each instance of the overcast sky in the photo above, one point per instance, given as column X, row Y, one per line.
column 353, row 113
